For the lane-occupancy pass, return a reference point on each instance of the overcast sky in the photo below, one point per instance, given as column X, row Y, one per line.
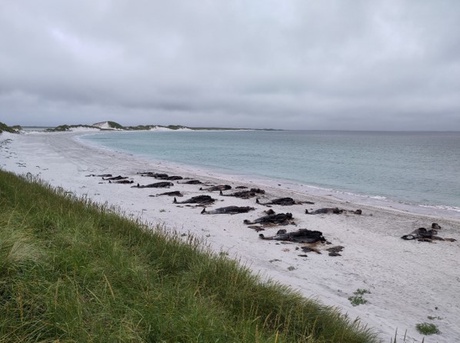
column 364, row 65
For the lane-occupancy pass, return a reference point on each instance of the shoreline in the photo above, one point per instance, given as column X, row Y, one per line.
column 408, row 280
column 340, row 195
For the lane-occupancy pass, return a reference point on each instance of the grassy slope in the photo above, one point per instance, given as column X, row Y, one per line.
column 6, row 128
column 75, row 272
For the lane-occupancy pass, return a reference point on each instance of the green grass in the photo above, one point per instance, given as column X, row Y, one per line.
column 11, row 129
column 73, row 271
column 358, row 297
column 427, row 328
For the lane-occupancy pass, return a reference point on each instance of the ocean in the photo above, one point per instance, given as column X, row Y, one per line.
column 418, row 169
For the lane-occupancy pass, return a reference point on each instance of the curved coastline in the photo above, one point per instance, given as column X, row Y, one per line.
column 374, row 258
column 293, row 184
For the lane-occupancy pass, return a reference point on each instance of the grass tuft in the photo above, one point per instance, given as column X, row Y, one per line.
column 427, row 328
column 358, row 298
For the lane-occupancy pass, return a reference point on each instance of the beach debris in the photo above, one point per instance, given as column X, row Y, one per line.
column 162, row 184
column 244, row 194
column 229, row 210
column 171, row 194
column 424, row 235
column 200, row 199
column 216, row 188
column 310, row 248
column 334, row 210
column 298, row 236
column 272, row 219
column 335, row 251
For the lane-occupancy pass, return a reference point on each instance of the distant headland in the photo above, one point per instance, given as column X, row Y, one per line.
column 114, row 126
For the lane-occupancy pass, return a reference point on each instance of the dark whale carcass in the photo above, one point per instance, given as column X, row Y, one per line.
column 325, row 210
column 162, row 184
column 299, row 236
column 334, row 210
column 191, row 182
column 216, row 188
column 115, row 178
column 122, row 181
column 272, row 219
column 245, row 194
column 171, row 194
column 200, row 199
column 421, row 234
column 280, row 201
column 424, row 235
column 229, row 210
column 152, row 174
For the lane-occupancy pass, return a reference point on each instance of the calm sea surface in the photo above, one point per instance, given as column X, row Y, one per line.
column 417, row 168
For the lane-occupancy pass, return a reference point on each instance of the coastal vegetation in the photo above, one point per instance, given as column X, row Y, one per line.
column 358, row 297
column 427, row 328
column 72, row 270
column 63, row 128
column 11, row 129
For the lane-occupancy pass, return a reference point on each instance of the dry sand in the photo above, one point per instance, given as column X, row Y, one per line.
column 409, row 282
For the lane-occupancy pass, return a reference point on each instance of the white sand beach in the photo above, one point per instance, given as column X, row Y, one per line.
column 408, row 281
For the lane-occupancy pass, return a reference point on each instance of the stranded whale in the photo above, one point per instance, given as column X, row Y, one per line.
column 161, row 184
column 287, row 201
column 272, row 219
column 299, row 236
column 245, row 194
column 200, row 199
column 229, row 210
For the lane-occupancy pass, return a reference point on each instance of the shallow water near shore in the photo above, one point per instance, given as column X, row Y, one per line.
column 394, row 169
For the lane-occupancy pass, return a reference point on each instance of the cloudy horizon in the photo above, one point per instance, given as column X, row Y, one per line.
column 294, row 64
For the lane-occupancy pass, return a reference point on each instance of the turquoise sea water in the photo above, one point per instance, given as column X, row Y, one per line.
column 417, row 168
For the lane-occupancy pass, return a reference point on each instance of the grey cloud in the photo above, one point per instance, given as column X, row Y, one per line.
column 293, row 64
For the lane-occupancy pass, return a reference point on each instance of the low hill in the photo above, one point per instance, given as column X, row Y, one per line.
column 11, row 129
